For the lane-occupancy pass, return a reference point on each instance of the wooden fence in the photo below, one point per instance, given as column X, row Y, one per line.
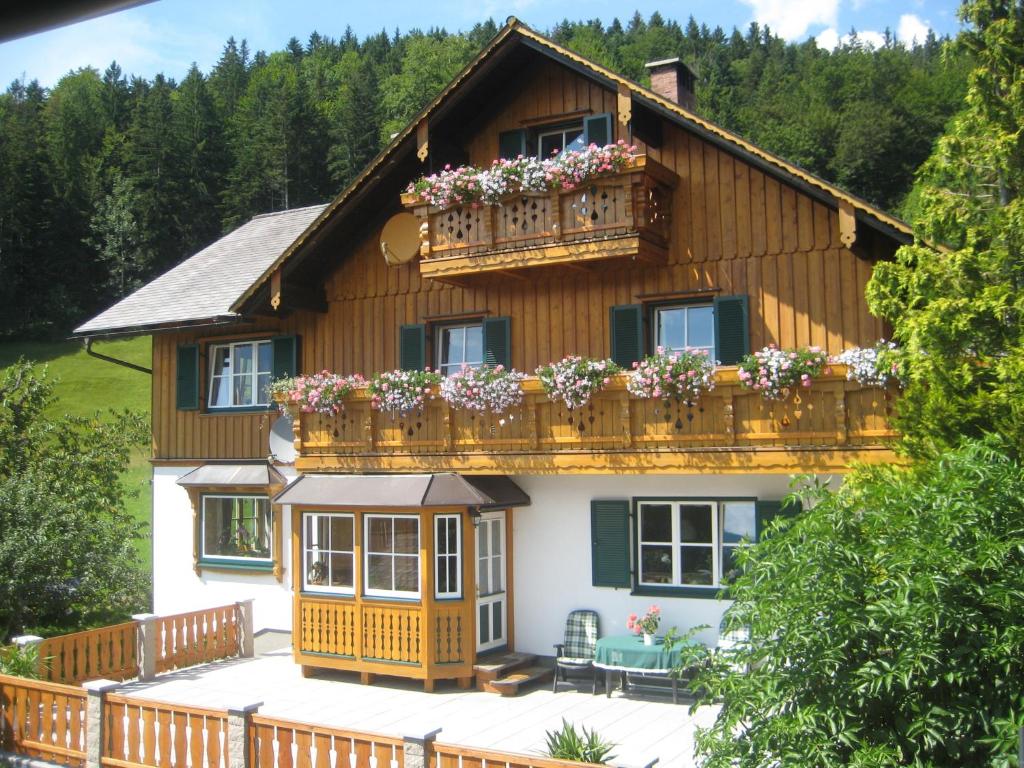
column 454, row 756
column 42, row 720
column 107, row 652
column 278, row 743
column 151, row 734
column 197, row 637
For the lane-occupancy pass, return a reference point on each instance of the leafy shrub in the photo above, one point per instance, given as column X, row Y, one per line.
column 586, row 747
column 22, row 661
column 884, row 624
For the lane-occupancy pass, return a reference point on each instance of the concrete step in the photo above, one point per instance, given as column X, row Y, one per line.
column 509, row 684
column 492, row 667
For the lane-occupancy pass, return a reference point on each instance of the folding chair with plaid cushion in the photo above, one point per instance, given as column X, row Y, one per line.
column 576, row 653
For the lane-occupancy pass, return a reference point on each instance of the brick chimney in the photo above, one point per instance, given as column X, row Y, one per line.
column 673, row 80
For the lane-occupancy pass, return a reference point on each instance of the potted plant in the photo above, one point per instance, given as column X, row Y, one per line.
column 776, row 372
column 322, row 392
column 400, row 392
column 645, row 625
column 575, row 379
column 681, row 375
column 872, row 366
column 495, row 390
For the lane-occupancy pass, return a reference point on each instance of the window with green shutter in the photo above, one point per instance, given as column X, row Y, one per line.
column 187, row 378
column 732, row 334
column 627, row 334
column 497, row 349
column 597, row 129
column 285, row 351
column 412, row 347
column 609, row 543
column 767, row 511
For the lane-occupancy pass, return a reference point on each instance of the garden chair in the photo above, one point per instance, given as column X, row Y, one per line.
column 576, row 652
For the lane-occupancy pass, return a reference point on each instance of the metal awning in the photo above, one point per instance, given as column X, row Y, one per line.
column 256, row 475
column 446, row 489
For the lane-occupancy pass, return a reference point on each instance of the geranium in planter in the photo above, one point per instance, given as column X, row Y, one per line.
column 496, row 390
column 872, row 366
column 449, row 187
column 323, row 392
column 575, row 379
column 677, row 375
column 776, row 372
column 400, row 392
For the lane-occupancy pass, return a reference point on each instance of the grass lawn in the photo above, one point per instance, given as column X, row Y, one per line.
column 85, row 385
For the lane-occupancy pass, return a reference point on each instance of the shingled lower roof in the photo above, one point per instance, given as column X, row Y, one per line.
column 201, row 290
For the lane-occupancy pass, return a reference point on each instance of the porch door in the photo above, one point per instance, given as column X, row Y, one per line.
column 490, row 581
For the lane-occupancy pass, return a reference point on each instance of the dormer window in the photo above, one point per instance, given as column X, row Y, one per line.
column 554, row 141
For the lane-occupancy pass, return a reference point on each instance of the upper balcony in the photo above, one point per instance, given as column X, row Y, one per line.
column 624, row 215
column 730, row 429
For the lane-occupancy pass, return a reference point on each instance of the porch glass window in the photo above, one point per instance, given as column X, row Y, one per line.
column 687, row 326
column 459, row 345
column 236, row 527
column 240, row 374
column 692, row 543
column 392, row 547
column 329, row 553
column 555, row 141
column 448, row 549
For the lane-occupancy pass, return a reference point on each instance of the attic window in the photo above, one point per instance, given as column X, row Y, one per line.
column 553, row 142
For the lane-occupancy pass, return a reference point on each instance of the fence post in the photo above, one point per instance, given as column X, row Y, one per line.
column 94, row 726
column 239, row 723
column 246, row 649
column 145, row 644
column 418, row 750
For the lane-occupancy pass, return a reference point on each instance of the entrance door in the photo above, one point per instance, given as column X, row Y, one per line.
column 490, row 581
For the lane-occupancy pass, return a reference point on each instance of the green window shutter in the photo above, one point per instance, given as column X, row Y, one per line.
column 285, row 351
column 187, row 391
column 511, row 144
column 627, row 324
column 497, row 349
column 597, row 129
column 732, row 336
column 609, row 543
column 766, row 511
column 412, row 347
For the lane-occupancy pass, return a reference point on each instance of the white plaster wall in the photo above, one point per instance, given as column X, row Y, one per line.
column 552, row 571
column 177, row 588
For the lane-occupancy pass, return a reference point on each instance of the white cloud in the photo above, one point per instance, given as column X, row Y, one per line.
column 912, row 29
column 791, row 19
column 829, row 39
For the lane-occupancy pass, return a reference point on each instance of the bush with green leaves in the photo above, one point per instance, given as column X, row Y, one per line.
column 885, row 624
column 67, row 542
column 22, row 661
column 584, row 746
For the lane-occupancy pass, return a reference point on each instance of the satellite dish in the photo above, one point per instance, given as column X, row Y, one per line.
column 400, row 239
column 282, row 439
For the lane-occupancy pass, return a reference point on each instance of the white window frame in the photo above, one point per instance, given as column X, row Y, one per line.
column 447, row 369
column 686, row 327
column 441, row 561
column 718, row 511
column 558, row 132
column 397, row 593
column 255, row 344
column 204, row 556
column 307, row 548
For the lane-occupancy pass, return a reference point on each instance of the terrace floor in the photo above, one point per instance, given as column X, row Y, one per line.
column 643, row 727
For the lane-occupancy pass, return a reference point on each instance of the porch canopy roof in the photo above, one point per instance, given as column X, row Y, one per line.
column 446, row 489
column 255, row 474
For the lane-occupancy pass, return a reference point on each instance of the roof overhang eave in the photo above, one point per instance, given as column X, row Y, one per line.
column 149, row 329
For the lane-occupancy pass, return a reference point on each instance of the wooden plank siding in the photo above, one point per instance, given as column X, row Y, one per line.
column 734, row 230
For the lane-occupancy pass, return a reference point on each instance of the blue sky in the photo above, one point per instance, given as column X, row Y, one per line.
column 168, row 35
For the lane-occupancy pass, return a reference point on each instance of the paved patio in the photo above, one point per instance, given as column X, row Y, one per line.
column 643, row 727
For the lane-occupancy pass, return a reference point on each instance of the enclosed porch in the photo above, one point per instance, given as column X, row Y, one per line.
column 401, row 575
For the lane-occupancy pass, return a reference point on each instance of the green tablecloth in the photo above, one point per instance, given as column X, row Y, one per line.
column 629, row 654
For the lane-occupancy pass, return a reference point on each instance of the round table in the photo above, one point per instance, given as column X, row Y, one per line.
column 627, row 653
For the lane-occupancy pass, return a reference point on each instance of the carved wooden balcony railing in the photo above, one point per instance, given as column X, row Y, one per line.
column 730, row 429
column 626, row 215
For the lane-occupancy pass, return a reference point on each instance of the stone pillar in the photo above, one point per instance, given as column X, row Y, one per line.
column 94, row 735
column 418, row 748
column 238, row 734
column 246, row 649
column 25, row 640
column 145, row 639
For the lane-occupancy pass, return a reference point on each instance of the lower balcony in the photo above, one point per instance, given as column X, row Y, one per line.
column 730, row 429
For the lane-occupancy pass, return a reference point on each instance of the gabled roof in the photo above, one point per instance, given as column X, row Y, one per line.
column 202, row 289
column 515, row 32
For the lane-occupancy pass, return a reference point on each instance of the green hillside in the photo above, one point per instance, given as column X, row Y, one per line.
column 85, row 385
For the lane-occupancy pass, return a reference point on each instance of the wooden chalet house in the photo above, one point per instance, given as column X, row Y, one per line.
column 410, row 545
